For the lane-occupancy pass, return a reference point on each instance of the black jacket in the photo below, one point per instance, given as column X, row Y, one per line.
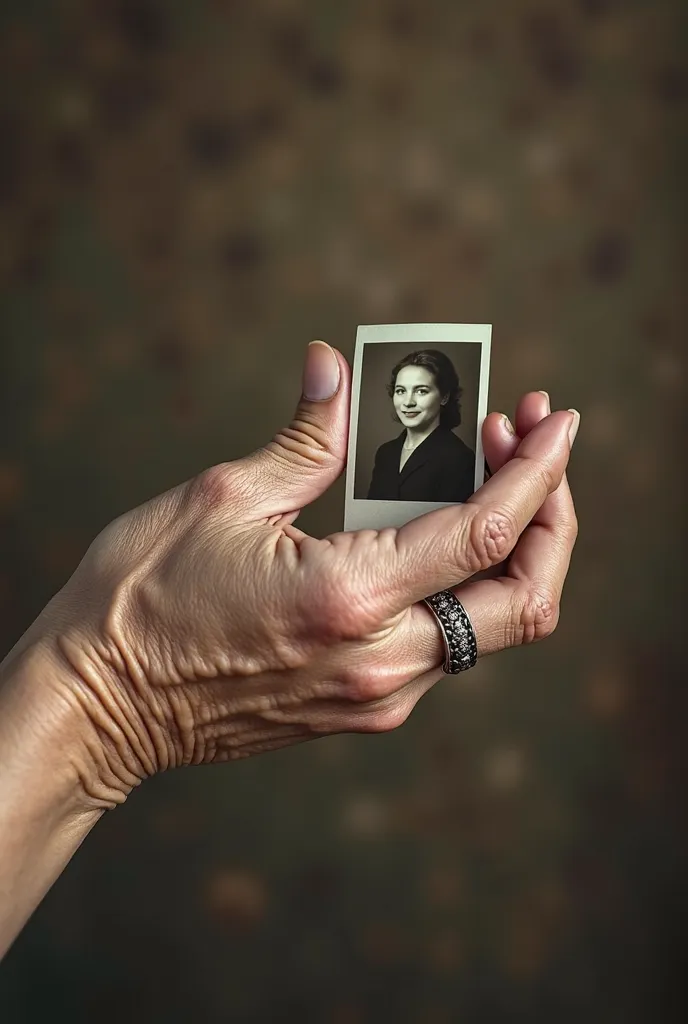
column 442, row 468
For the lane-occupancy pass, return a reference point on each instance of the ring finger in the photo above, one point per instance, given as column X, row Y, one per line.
column 523, row 604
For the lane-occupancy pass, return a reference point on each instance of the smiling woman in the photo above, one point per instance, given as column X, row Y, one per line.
column 427, row 461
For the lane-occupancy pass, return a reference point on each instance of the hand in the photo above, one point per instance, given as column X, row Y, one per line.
column 204, row 626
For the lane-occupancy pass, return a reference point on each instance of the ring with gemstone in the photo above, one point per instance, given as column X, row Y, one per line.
column 460, row 644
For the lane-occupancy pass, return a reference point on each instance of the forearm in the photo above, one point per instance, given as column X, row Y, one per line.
column 49, row 793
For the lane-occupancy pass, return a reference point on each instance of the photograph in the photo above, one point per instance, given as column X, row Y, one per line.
column 419, row 399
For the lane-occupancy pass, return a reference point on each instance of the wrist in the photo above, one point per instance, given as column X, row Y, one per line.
column 53, row 786
column 55, row 730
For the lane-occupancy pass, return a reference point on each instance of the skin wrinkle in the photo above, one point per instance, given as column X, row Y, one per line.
column 265, row 638
column 215, row 527
column 182, row 661
column 148, row 744
column 149, row 711
column 162, row 706
column 286, row 551
column 99, row 796
column 294, row 441
column 309, row 457
column 227, row 706
column 493, row 536
column 306, row 436
column 110, row 729
column 228, row 671
column 160, row 666
column 157, row 727
column 348, row 605
column 283, row 549
column 251, row 729
column 175, row 666
column 315, row 438
column 282, row 519
column 232, row 666
column 244, row 725
column 121, row 774
column 230, row 754
column 259, row 738
column 84, row 761
column 239, row 720
column 258, row 705
column 98, row 780
column 538, row 616
column 183, row 718
column 164, row 665
column 398, row 646
column 114, row 633
column 290, row 653
column 509, row 633
column 332, row 433
column 120, row 705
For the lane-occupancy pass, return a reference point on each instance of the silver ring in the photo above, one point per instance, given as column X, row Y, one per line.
column 460, row 644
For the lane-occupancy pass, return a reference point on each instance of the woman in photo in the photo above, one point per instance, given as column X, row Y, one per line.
column 427, row 461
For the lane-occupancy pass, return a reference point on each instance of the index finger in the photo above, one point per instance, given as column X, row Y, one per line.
column 443, row 548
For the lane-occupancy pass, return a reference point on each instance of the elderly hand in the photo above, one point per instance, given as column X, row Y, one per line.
column 204, row 626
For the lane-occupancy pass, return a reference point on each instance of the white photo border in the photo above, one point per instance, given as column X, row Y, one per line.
column 366, row 513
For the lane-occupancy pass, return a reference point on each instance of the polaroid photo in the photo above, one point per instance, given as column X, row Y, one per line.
column 418, row 403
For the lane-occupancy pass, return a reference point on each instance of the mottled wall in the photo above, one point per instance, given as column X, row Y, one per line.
column 189, row 193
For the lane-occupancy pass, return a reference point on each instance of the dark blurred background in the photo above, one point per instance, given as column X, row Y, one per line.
column 190, row 192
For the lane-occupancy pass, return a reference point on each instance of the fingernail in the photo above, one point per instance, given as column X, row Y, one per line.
column 549, row 405
column 320, row 373
column 508, row 425
column 573, row 429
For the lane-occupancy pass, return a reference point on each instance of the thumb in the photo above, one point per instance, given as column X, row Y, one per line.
column 306, row 457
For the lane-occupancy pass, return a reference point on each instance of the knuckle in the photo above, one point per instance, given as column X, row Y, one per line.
column 364, row 688
column 491, row 537
column 218, row 486
column 389, row 717
column 365, row 685
column 338, row 610
column 537, row 615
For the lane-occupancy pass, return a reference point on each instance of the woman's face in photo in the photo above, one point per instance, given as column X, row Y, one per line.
column 417, row 400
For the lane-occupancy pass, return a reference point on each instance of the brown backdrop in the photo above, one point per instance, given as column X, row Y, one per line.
column 189, row 193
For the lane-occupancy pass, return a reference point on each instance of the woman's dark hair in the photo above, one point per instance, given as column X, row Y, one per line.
column 446, row 379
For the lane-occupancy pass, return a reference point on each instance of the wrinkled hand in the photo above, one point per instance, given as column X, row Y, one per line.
column 204, row 626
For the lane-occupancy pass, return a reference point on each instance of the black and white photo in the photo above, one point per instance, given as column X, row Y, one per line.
column 419, row 399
